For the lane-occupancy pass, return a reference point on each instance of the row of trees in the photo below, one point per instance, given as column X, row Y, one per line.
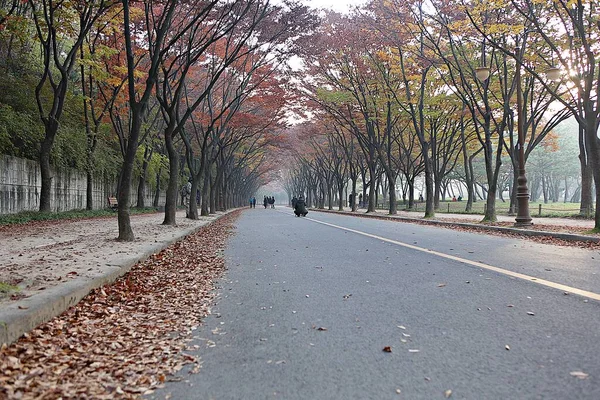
column 394, row 95
column 145, row 82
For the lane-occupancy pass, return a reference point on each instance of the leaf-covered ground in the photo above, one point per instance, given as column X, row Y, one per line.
column 123, row 339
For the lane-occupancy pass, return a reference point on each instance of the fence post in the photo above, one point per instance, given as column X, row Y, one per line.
column 540, row 210
column 448, row 208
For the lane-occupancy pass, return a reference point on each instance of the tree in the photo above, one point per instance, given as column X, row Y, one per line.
column 61, row 28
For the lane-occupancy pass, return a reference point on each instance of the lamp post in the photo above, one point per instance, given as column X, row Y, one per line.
column 523, row 218
column 552, row 73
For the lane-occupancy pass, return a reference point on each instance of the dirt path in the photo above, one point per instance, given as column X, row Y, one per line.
column 37, row 256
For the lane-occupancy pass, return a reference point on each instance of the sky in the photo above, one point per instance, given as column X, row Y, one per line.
column 337, row 5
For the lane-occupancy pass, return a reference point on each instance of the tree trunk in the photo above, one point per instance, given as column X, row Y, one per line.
column 89, row 191
column 392, row 195
column 512, row 209
column 125, row 231
column 354, row 203
column 212, row 195
column 586, row 174
column 411, row 193
column 172, row 186
column 157, row 192
column 372, row 189
column 46, row 173
column 429, row 211
column 142, row 182
column 205, row 193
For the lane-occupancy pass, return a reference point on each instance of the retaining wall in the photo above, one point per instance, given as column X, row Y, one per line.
column 21, row 181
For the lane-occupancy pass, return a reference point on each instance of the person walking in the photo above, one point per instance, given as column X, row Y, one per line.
column 265, row 202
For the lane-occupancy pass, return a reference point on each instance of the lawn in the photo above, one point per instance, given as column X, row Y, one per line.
column 536, row 209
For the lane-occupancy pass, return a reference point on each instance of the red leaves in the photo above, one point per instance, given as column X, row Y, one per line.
column 124, row 339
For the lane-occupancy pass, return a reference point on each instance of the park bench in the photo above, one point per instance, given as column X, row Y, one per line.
column 113, row 203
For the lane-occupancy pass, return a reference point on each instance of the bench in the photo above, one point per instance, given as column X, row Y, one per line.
column 113, row 203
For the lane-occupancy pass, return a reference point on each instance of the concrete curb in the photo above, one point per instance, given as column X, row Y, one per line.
column 526, row 232
column 25, row 315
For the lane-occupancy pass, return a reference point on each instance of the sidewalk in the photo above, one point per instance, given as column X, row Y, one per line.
column 50, row 266
column 569, row 229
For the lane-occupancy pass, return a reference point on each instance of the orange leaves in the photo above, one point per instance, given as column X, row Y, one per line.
column 122, row 340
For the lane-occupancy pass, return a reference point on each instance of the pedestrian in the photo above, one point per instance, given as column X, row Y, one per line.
column 360, row 200
column 250, row 202
column 253, row 202
column 300, row 208
column 265, row 202
column 421, row 197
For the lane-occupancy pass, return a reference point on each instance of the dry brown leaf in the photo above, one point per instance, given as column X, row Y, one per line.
column 124, row 339
column 387, row 349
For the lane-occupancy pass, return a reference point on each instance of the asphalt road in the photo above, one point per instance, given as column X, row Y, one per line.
column 306, row 310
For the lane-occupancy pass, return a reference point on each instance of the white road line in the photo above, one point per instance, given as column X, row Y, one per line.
column 529, row 278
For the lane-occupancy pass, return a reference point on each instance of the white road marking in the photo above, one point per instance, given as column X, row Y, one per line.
column 529, row 278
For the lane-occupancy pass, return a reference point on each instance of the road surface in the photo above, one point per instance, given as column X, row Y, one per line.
column 309, row 305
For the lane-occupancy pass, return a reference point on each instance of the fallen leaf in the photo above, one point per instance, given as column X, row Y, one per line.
column 448, row 393
column 507, row 347
column 530, row 313
column 321, row 329
column 387, row 349
column 441, row 285
column 579, row 374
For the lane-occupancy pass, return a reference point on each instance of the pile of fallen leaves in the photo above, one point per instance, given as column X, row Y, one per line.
column 125, row 339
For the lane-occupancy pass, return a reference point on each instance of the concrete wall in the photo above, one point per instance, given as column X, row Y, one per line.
column 20, row 185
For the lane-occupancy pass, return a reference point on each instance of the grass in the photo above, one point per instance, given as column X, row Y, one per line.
column 548, row 210
column 6, row 288
column 29, row 216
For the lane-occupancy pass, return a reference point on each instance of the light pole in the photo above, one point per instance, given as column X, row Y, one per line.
column 523, row 218
column 552, row 73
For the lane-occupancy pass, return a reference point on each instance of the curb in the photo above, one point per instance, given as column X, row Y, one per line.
column 570, row 237
column 18, row 319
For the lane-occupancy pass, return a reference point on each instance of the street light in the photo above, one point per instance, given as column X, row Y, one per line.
column 523, row 218
column 553, row 73
column 482, row 73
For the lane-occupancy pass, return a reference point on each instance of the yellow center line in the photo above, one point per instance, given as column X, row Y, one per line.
column 502, row 271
